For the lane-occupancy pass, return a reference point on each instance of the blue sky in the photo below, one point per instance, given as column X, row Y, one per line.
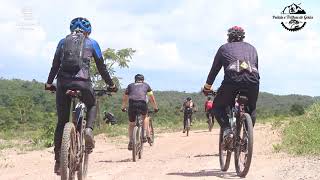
column 175, row 40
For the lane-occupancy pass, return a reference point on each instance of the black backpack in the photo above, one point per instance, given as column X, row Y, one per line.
column 72, row 59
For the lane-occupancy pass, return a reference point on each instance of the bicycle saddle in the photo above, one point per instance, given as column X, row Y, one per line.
column 73, row 93
column 242, row 96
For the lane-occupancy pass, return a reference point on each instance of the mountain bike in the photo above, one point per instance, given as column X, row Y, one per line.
column 210, row 121
column 151, row 129
column 137, row 138
column 188, row 111
column 242, row 142
column 74, row 155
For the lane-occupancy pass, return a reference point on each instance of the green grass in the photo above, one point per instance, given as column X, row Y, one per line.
column 302, row 134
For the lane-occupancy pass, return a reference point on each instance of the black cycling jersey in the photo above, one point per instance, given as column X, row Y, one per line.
column 240, row 63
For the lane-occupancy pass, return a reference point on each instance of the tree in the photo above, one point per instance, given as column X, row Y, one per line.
column 297, row 109
column 112, row 57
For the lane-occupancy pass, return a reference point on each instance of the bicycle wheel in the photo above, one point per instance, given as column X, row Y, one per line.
column 244, row 145
column 224, row 155
column 83, row 164
column 151, row 132
column 140, row 144
column 135, row 141
column 210, row 124
column 68, row 152
column 188, row 126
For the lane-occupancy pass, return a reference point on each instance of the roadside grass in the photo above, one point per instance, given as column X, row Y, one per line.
column 302, row 134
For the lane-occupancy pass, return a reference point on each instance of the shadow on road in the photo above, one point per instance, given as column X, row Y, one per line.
column 211, row 172
column 206, row 155
column 110, row 161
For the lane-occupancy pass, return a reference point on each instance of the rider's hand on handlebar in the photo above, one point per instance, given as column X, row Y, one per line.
column 206, row 89
column 113, row 88
column 156, row 110
column 49, row 87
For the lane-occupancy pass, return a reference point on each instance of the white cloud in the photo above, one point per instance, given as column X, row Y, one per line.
column 175, row 39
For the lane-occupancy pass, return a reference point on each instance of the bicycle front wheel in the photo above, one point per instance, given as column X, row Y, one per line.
column 210, row 124
column 68, row 152
column 188, row 126
column 135, row 142
column 244, row 145
column 151, row 132
column 224, row 153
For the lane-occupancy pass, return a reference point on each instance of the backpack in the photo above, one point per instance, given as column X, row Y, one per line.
column 72, row 59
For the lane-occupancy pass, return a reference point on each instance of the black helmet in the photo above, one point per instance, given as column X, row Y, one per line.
column 138, row 77
column 235, row 34
column 188, row 98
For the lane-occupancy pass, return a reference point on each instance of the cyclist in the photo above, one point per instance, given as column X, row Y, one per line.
column 136, row 93
column 188, row 107
column 208, row 108
column 240, row 62
column 71, row 64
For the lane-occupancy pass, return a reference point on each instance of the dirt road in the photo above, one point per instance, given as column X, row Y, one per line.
column 174, row 156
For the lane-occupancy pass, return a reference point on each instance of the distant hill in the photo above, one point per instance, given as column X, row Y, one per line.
column 25, row 103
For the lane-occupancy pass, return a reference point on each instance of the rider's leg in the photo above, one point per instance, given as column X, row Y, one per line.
column 146, row 125
column 88, row 98
column 63, row 110
column 225, row 97
column 132, row 112
column 252, row 95
column 185, row 116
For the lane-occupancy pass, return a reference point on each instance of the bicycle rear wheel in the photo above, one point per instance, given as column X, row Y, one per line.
column 68, row 152
column 210, row 124
column 188, row 126
column 151, row 132
column 244, row 145
column 83, row 164
column 140, row 144
column 135, row 141
column 224, row 154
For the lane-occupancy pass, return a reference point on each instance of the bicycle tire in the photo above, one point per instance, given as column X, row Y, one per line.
column 188, row 126
column 135, row 137
column 210, row 124
column 140, row 144
column 68, row 145
column 224, row 155
column 247, row 123
column 151, row 132
column 83, row 165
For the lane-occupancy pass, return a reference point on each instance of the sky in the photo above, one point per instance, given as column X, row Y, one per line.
column 175, row 40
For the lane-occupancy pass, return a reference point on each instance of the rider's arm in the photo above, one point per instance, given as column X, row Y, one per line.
column 152, row 98
column 153, row 101
column 216, row 66
column 55, row 63
column 125, row 99
column 97, row 55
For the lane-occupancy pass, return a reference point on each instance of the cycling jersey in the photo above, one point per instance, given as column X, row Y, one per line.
column 240, row 63
column 138, row 91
